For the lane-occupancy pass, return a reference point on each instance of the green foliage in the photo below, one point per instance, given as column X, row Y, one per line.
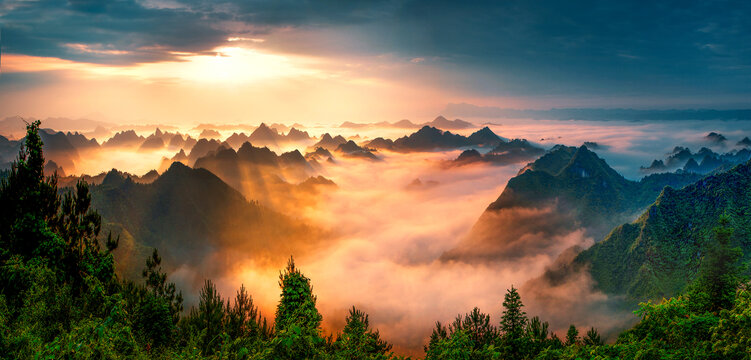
column 592, row 338
column 358, row 341
column 297, row 323
column 661, row 253
column 460, row 346
column 719, row 273
column 513, row 322
column 572, row 336
column 731, row 336
column 514, row 318
column 207, row 321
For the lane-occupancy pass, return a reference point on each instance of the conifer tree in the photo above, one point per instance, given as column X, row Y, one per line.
column 297, row 322
column 719, row 273
column 514, row 318
column 244, row 319
column 29, row 200
column 592, row 338
column 512, row 325
column 156, row 283
column 572, row 336
column 208, row 319
column 358, row 341
column 477, row 326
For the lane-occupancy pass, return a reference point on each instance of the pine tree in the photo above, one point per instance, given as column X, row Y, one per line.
column 537, row 332
column 244, row 319
column 514, row 318
column 572, row 336
column 477, row 326
column 297, row 322
column 512, row 325
column 438, row 334
column 593, row 338
column 207, row 320
column 156, row 282
column 28, row 201
column 358, row 341
column 719, row 273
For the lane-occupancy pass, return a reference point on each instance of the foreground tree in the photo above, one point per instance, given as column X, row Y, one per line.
column 513, row 321
column 358, row 341
column 297, row 322
column 719, row 274
column 572, row 336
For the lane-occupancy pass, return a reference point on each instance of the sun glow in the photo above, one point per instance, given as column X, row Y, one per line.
column 228, row 65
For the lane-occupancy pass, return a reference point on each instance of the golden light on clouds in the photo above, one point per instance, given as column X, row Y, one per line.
column 229, row 65
column 234, row 82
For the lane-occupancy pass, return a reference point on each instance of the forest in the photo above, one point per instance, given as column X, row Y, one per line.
column 60, row 297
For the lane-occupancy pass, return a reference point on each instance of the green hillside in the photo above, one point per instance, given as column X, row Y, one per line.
column 658, row 254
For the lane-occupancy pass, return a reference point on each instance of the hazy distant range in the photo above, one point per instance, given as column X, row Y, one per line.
column 602, row 114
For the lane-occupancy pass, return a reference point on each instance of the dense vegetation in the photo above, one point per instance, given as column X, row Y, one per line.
column 657, row 255
column 60, row 298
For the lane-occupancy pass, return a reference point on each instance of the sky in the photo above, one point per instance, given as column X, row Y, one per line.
column 192, row 61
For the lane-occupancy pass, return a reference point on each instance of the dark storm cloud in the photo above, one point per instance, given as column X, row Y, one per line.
column 505, row 47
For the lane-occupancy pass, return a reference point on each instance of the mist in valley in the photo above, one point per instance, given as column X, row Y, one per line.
column 378, row 239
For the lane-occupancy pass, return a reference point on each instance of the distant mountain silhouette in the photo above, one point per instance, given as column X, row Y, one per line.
column 127, row 138
column 380, row 143
column 8, row 151
column 265, row 136
column 319, row 154
column 405, row 124
column 443, row 123
column 71, row 180
column 439, row 122
column 261, row 174
column 202, row 148
column 15, row 126
column 236, row 140
column 329, row 143
column 190, row 214
column 430, row 139
column 715, row 138
column 51, row 168
column 565, row 190
column 351, row 149
column 209, row 134
column 58, row 148
column 152, row 143
column 705, row 161
column 297, row 135
column 486, row 137
column 504, row 153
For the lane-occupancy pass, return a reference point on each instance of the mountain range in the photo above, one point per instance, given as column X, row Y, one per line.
column 439, row 122
column 189, row 214
column 429, row 138
column 514, row 151
column 704, row 161
column 566, row 190
column 260, row 174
